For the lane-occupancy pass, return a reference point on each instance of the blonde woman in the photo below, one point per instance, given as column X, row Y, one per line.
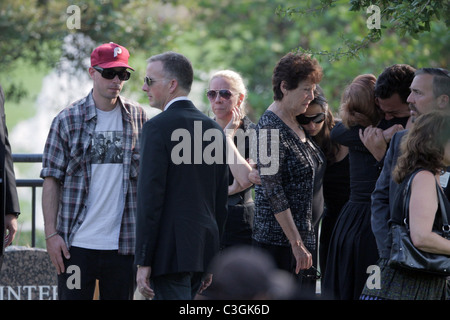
column 227, row 95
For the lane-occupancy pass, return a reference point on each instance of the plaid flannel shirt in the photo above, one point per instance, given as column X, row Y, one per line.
column 67, row 158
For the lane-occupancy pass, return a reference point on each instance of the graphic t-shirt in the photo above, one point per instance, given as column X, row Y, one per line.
column 101, row 226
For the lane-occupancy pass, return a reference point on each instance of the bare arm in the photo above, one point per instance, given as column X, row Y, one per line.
column 235, row 187
column 239, row 167
column 423, row 207
column 55, row 243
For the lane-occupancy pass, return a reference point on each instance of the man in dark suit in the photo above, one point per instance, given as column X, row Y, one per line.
column 182, row 187
column 430, row 90
column 9, row 201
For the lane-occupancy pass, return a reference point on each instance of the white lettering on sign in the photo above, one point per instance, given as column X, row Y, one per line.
column 44, row 292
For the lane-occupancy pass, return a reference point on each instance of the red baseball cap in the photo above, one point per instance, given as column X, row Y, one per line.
column 110, row 55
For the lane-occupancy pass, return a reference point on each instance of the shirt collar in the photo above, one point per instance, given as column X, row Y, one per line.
column 174, row 100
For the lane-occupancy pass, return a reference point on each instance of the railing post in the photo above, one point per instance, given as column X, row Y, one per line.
column 31, row 183
column 33, row 217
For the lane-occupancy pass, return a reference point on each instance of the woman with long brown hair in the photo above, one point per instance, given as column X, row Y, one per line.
column 425, row 152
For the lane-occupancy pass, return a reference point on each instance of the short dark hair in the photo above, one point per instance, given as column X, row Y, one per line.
column 177, row 66
column 441, row 80
column 294, row 68
column 395, row 79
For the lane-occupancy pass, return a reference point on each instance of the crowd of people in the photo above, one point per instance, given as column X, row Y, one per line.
column 192, row 205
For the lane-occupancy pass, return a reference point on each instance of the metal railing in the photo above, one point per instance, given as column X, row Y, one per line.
column 31, row 183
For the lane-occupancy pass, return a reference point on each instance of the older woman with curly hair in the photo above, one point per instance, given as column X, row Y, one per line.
column 284, row 201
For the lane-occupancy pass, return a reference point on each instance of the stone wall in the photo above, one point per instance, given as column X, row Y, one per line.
column 27, row 274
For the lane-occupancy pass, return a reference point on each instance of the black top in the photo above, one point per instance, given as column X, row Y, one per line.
column 336, row 186
column 399, row 204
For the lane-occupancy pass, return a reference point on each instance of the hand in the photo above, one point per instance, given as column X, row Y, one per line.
column 143, row 282
column 56, row 245
column 254, row 176
column 206, row 282
column 233, row 125
column 11, row 228
column 302, row 256
column 389, row 132
column 374, row 141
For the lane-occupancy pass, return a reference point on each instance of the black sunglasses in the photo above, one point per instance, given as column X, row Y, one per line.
column 123, row 75
column 318, row 118
column 223, row 93
column 149, row 81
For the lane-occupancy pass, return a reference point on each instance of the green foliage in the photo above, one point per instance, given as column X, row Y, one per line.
column 249, row 36
column 405, row 17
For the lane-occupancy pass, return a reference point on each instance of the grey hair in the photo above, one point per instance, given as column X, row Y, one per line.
column 177, row 66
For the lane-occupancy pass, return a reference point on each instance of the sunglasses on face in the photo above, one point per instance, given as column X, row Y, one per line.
column 223, row 93
column 149, row 81
column 109, row 74
column 318, row 118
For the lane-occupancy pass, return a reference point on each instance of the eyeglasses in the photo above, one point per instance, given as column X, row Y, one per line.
column 223, row 93
column 149, row 81
column 318, row 118
column 123, row 75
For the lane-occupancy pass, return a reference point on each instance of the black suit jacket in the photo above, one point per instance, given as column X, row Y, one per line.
column 182, row 207
column 9, row 201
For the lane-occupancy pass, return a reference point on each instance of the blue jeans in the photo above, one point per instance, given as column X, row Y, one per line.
column 115, row 274
column 176, row 286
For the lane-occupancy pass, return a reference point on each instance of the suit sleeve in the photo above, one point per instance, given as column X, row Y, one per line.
column 151, row 192
column 380, row 199
column 11, row 197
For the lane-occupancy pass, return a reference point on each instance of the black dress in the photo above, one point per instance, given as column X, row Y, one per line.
column 336, row 192
column 352, row 244
column 241, row 208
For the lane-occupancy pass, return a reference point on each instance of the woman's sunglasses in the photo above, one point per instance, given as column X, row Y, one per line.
column 223, row 93
column 318, row 118
column 109, row 74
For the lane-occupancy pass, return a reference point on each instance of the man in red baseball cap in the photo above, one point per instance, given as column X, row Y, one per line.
column 89, row 200
column 109, row 64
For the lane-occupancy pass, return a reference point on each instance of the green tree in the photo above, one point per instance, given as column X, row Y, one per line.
column 248, row 36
